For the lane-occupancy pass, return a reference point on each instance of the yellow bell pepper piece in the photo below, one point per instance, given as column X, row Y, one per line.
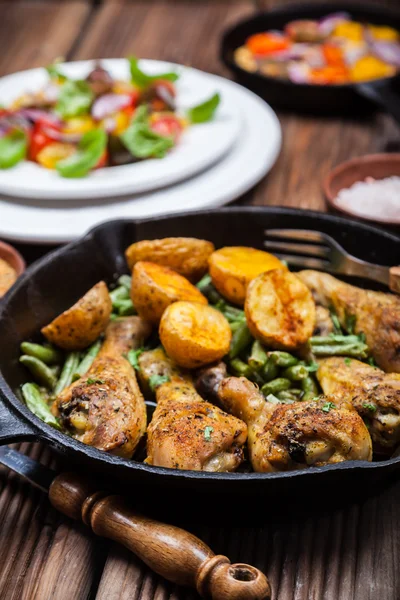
column 79, row 124
column 383, row 33
column 370, row 67
column 122, row 87
column 53, row 153
column 349, row 30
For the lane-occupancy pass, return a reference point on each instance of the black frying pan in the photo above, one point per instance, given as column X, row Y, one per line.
column 56, row 281
column 317, row 99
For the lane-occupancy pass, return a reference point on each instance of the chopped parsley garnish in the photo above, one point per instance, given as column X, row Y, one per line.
column 347, row 361
column 350, row 323
column 372, row 362
column 157, row 380
column 90, row 381
column 133, row 356
column 207, row 433
column 369, row 406
column 327, row 406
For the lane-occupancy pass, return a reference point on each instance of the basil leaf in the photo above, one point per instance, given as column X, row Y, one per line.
column 204, row 112
column 13, row 149
column 90, row 149
column 142, row 141
column 75, row 99
column 141, row 79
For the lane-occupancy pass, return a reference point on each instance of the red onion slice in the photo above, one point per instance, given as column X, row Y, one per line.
column 109, row 104
column 35, row 114
column 327, row 24
column 299, row 73
column 60, row 136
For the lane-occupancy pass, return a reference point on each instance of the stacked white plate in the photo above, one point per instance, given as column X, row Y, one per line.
column 213, row 163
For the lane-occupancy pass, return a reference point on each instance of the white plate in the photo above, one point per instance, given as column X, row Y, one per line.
column 250, row 159
column 200, row 146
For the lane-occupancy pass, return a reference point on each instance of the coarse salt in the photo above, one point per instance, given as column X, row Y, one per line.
column 372, row 198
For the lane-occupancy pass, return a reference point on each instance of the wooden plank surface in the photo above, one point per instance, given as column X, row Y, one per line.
column 349, row 553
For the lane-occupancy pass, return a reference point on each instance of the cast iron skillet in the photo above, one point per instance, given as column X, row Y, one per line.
column 60, row 278
column 318, row 99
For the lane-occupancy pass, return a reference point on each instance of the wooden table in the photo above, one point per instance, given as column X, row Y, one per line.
column 350, row 553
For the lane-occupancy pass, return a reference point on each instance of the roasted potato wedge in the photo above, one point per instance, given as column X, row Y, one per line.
column 187, row 256
column 280, row 310
column 194, row 335
column 80, row 325
column 233, row 267
column 155, row 287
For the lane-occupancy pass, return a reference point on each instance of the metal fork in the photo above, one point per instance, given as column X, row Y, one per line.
column 317, row 250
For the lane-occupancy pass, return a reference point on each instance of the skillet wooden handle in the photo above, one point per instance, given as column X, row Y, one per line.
column 394, row 279
column 171, row 552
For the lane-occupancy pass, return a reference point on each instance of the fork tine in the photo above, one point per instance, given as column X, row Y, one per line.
column 304, row 249
column 305, row 263
column 298, row 234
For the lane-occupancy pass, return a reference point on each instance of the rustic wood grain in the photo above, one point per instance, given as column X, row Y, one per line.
column 348, row 553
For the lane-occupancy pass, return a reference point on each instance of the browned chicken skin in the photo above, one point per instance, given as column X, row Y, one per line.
column 295, row 436
column 376, row 314
column 374, row 394
column 105, row 408
column 186, row 432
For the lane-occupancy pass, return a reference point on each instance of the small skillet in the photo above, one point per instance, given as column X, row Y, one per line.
column 316, row 99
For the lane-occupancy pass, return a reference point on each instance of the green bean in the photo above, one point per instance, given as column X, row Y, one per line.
column 296, row 372
column 120, row 293
column 87, row 360
column 276, row 385
column 68, row 370
column 286, row 397
column 206, row 287
column 125, row 281
column 41, row 372
column 258, row 356
column 270, row 370
column 310, row 388
column 333, row 339
column 126, row 308
column 234, row 325
column 283, row 359
column 204, row 282
column 240, row 339
column 355, row 350
column 37, row 404
column 241, row 369
column 46, row 354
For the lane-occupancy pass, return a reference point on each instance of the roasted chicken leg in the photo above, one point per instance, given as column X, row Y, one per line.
column 186, row 432
column 285, row 437
column 105, row 408
column 374, row 394
column 376, row 314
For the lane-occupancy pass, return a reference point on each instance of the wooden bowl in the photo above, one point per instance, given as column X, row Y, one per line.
column 346, row 174
column 12, row 257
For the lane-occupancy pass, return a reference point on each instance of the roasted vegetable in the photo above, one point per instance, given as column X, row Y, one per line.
column 81, row 325
column 155, row 287
column 187, row 256
column 233, row 267
column 194, row 335
column 280, row 310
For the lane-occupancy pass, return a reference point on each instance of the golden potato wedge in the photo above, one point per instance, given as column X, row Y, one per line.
column 155, row 287
column 80, row 325
column 233, row 267
column 187, row 256
column 280, row 310
column 193, row 334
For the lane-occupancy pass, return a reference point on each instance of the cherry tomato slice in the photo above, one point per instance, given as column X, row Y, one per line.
column 167, row 125
column 39, row 139
column 103, row 162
